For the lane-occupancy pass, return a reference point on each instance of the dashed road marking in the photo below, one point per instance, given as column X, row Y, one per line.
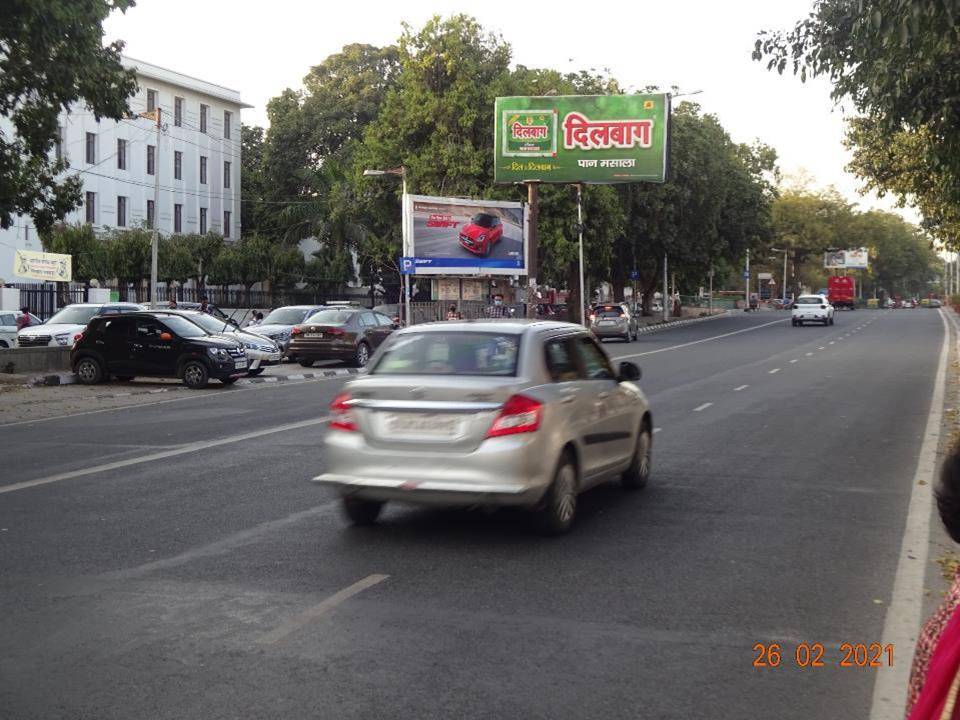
column 703, row 407
column 774, row 371
column 809, row 354
column 742, row 387
column 833, row 342
column 656, row 430
column 794, row 360
column 821, row 348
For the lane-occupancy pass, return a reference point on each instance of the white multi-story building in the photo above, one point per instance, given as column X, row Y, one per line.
column 197, row 162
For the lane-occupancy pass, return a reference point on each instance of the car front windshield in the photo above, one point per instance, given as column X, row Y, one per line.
column 183, row 327
column 74, row 315
column 285, row 316
column 450, row 353
column 208, row 323
column 810, row 301
column 329, row 317
column 483, row 220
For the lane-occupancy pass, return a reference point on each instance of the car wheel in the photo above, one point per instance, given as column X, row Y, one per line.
column 637, row 475
column 363, row 355
column 306, row 363
column 559, row 508
column 831, row 321
column 195, row 375
column 228, row 380
column 124, row 378
column 362, row 512
column 254, row 373
column 89, row 371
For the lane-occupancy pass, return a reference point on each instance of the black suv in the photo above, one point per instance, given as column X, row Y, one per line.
column 152, row 345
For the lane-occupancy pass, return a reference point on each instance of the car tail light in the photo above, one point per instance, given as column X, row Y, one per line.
column 520, row 414
column 342, row 414
column 296, row 331
column 336, row 332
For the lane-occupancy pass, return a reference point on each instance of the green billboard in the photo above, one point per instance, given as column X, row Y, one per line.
column 582, row 138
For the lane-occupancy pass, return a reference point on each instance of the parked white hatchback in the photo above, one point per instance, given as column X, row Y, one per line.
column 812, row 308
column 8, row 327
column 63, row 328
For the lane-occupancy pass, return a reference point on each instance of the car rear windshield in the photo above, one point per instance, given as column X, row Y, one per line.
column 74, row 315
column 450, row 353
column 609, row 312
column 331, row 316
column 810, row 301
column 285, row 316
column 483, row 220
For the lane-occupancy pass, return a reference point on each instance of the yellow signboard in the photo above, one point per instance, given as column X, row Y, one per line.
column 51, row 267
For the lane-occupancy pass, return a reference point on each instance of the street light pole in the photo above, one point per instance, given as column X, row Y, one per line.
column 155, row 241
column 664, row 311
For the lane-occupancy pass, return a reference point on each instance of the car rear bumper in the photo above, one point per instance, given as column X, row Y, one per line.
column 322, row 350
column 609, row 331
column 812, row 316
column 501, row 471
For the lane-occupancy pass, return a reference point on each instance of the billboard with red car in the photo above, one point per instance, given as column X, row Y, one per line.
column 456, row 236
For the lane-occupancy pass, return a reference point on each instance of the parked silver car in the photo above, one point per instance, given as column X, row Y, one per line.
column 492, row 412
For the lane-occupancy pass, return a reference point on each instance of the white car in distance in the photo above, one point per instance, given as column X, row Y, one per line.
column 812, row 308
column 8, row 327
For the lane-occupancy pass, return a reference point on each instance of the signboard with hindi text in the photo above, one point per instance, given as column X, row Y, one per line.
column 49, row 267
column 582, row 138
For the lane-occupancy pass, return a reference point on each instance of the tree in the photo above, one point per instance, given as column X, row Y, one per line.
column 897, row 61
column 52, row 56
column 252, row 203
column 283, row 267
column 222, row 270
column 129, row 255
column 174, row 261
column 79, row 242
column 328, row 271
column 203, row 249
column 252, row 254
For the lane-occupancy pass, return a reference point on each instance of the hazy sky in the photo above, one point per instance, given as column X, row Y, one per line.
column 261, row 48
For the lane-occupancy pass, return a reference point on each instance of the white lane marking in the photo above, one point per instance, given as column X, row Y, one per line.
column 703, row 407
column 656, row 430
column 312, row 614
column 774, row 371
column 821, row 348
column 192, row 396
column 833, row 342
column 794, row 360
column 173, row 452
column 809, row 354
column 905, row 610
column 742, row 387
column 697, row 342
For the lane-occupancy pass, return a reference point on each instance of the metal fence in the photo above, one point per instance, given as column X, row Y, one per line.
column 43, row 299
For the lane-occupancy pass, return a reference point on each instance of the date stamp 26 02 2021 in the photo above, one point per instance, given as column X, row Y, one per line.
column 816, row 655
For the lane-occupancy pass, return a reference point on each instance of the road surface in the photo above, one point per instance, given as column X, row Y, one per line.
column 172, row 561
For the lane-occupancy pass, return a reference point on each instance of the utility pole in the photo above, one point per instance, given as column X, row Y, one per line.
column 583, row 290
column 156, row 216
column 533, row 201
column 665, row 309
column 746, row 276
column 711, row 288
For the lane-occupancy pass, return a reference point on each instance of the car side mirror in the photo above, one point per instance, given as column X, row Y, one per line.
column 628, row 372
column 166, row 337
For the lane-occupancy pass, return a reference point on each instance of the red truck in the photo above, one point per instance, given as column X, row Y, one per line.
column 841, row 291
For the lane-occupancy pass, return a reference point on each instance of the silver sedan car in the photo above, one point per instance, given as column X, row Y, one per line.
column 523, row 413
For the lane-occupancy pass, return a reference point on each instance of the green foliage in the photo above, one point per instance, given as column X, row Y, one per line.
column 328, row 271
column 128, row 251
column 81, row 243
column 51, row 56
column 203, row 249
column 174, row 260
column 897, row 61
column 252, row 207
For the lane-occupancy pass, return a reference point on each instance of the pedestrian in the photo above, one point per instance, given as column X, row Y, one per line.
column 257, row 318
column 24, row 319
column 452, row 313
column 205, row 306
column 172, row 304
column 497, row 310
column 935, row 674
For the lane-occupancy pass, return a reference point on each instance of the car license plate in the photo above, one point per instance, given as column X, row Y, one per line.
column 313, row 335
column 240, row 364
column 274, row 357
column 426, row 424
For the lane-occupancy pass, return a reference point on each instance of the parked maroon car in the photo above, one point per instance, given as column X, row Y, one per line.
column 481, row 234
column 346, row 334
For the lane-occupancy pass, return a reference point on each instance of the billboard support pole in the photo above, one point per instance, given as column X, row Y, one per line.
column 583, row 290
column 533, row 200
column 408, row 320
column 665, row 307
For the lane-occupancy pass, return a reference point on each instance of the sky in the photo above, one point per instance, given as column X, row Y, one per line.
column 697, row 45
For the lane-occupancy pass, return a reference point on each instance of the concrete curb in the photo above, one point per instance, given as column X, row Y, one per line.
column 319, row 374
column 679, row 323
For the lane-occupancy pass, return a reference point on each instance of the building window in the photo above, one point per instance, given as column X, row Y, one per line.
column 226, row 124
column 177, row 165
column 91, row 148
column 226, row 223
column 203, row 117
column 58, row 145
column 178, row 218
column 226, row 174
column 91, row 208
column 151, row 159
column 203, row 170
column 203, row 221
column 121, row 154
column 121, row 211
column 178, row 111
column 150, row 211
column 151, row 100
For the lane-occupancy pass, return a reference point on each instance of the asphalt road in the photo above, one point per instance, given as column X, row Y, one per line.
column 200, row 575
